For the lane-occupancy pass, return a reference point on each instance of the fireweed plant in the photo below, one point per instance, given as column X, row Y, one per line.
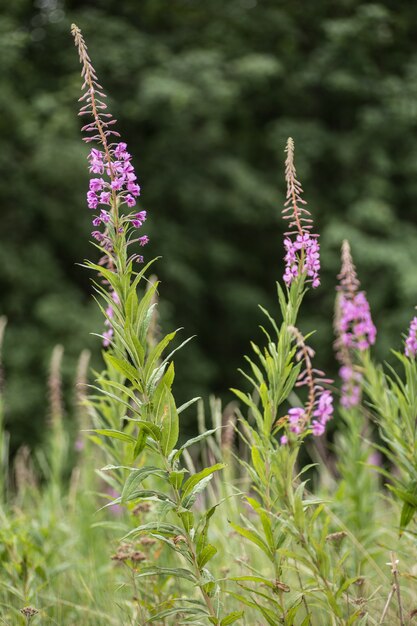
column 355, row 333
column 226, row 527
column 136, row 410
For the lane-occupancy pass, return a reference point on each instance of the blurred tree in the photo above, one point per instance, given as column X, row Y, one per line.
column 206, row 94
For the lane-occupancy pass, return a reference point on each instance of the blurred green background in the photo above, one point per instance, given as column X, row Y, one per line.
column 206, row 93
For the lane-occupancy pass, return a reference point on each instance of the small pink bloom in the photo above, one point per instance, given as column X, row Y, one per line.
column 133, row 188
column 130, row 200
column 105, row 197
column 96, row 184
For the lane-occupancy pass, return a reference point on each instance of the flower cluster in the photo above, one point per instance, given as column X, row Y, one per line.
column 356, row 327
column 119, row 189
column 411, row 341
column 319, row 408
column 299, row 417
column 302, row 255
column 351, row 389
column 302, row 248
column 322, row 413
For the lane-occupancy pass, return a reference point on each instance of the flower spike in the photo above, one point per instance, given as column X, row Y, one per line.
column 302, row 248
column 113, row 187
column 353, row 327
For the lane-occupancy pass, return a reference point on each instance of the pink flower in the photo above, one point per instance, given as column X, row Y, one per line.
column 143, row 240
column 411, row 341
column 96, row 161
column 120, row 149
column 295, row 416
column 105, row 216
column 130, row 200
column 107, row 337
column 323, row 412
column 303, row 256
column 96, row 184
column 356, row 327
column 105, row 197
column 317, row 428
column 92, row 200
column 141, row 216
column 117, row 183
column 115, row 297
column 133, row 188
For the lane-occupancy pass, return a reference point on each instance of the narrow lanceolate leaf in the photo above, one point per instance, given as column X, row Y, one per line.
column 140, row 444
column 253, row 537
column 180, row 611
column 162, row 528
column 135, row 479
column 150, row 429
column 187, row 404
column 114, row 434
column 255, row 579
column 169, row 425
column 177, row 572
column 231, row 618
column 144, row 494
column 124, row 368
column 193, row 481
column 206, row 555
column 407, row 514
column 192, row 441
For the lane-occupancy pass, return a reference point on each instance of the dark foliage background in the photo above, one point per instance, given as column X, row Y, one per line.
column 206, row 93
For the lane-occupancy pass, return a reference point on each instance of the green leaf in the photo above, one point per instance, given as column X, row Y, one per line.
column 253, row 537
column 193, row 481
column 140, row 443
column 185, row 406
column 255, row 579
column 231, row 618
column 162, row 528
column 206, row 555
column 196, row 612
column 156, row 353
column 135, row 479
column 258, row 463
column 407, row 514
column 114, row 434
column 192, row 441
column 177, row 572
column 176, row 478
column 169, row 425
column 150, row 429
column 144, row 494
column 187, row 518
column 123, row 367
